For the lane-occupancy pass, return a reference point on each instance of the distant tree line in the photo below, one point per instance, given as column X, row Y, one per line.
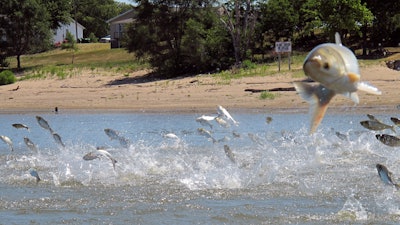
column 27, row 26
column 195, row 36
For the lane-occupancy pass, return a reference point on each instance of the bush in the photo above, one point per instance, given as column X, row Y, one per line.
column 93, row 38
column 7, row 77
column 3, row 61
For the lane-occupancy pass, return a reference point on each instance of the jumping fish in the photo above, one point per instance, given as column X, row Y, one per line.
column 8, row 141
column 43, row 123
column 206, row 134
column 395, row 120
column 90, row 156
column 229, row 153
column 205, row 120
column 372, row 117
column 112, row 134
column 376, row 125
column 388, row 140
column 108, row 155
column 57, row 138
column 336, row 69
column 386, row 175
column 223, row 112
column 20, row 126
column 268, row 120
column 35, row 174
column 171, row 135
column 222, row 122
column 30, row 144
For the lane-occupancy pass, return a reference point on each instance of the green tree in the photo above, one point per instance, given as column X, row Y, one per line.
column 93, row 14
column 385, row 26
column 176, row 36
column 344, row 16
column 59, row 11
column 26, row 26
column 70, row 44
column 279, row 18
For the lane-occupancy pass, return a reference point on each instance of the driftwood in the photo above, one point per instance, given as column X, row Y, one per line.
column 269, row 90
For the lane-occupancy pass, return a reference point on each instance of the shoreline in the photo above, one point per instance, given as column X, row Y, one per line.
column 97, row 92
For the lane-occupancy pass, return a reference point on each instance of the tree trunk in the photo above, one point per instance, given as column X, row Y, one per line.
column 18, row 61
column 364, row 40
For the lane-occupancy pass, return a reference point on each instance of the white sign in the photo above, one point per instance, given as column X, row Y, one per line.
column 285, row 46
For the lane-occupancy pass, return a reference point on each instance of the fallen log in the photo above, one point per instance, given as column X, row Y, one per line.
column 253, row 90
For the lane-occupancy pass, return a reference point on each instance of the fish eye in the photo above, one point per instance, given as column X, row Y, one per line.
column 326, row 66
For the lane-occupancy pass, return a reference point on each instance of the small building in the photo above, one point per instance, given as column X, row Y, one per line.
column 118, row 26
column 75, row 28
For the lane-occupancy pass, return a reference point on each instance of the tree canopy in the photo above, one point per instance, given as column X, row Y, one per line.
column 26, row 25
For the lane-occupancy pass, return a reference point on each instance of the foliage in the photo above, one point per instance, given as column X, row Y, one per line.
column 59, row 11
column 93, row 14
column 70, row 44
column 25, row 24
column 267, row 95
column 239, row 19
column 3, row 61
column 93, row 38
column 385, row 26
column 280, row 18
column 7, row 77
column 178, row 41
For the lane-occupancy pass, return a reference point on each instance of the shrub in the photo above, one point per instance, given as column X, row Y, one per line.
column 7, row 77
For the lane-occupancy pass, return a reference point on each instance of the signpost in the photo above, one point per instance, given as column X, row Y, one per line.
column 280, row 47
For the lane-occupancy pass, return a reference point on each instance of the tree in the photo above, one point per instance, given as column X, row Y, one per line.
column 26, row 26
column 239, row 18
column 177, row 36
column 385, row 26
column 59, row 11
column 344, row 16
column 280, row 18
column 70, row 44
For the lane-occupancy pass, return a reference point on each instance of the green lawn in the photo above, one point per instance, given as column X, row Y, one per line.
column 90, row 56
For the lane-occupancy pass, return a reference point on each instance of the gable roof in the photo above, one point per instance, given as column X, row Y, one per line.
column 126, row 17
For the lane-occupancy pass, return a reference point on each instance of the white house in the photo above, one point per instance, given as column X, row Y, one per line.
column 73, row 27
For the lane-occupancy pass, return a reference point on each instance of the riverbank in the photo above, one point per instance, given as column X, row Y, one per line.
column 92, row 91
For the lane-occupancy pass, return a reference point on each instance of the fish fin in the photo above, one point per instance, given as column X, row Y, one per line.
column 353, row 96
column 318, row 97
column 368, row 88
column 337, row 39
column 393, row 128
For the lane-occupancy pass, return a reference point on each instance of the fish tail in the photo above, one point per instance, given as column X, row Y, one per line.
column 397, row 186
column 393, row 128
column 318, row 97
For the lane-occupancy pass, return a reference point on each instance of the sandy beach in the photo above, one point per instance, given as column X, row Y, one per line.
column 99, row 90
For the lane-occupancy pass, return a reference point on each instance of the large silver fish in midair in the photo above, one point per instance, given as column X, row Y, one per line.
column 335, row 67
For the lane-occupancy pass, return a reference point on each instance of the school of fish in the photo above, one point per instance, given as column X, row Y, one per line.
column 332, row 65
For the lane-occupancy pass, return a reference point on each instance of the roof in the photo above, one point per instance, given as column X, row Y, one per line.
column 126, row 17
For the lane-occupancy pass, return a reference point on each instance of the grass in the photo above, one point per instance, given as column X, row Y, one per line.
column 91, row 56
column 267, row 95
column 99, row 57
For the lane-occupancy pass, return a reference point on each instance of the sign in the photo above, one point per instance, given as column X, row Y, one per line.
column 285, row 46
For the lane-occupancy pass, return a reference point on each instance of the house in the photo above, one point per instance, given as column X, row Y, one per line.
column 117, row 27
column 73, row 27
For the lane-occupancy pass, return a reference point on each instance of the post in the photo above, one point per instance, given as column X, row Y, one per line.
column 279, row 62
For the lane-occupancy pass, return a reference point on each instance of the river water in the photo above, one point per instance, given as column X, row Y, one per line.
column 278, row 174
